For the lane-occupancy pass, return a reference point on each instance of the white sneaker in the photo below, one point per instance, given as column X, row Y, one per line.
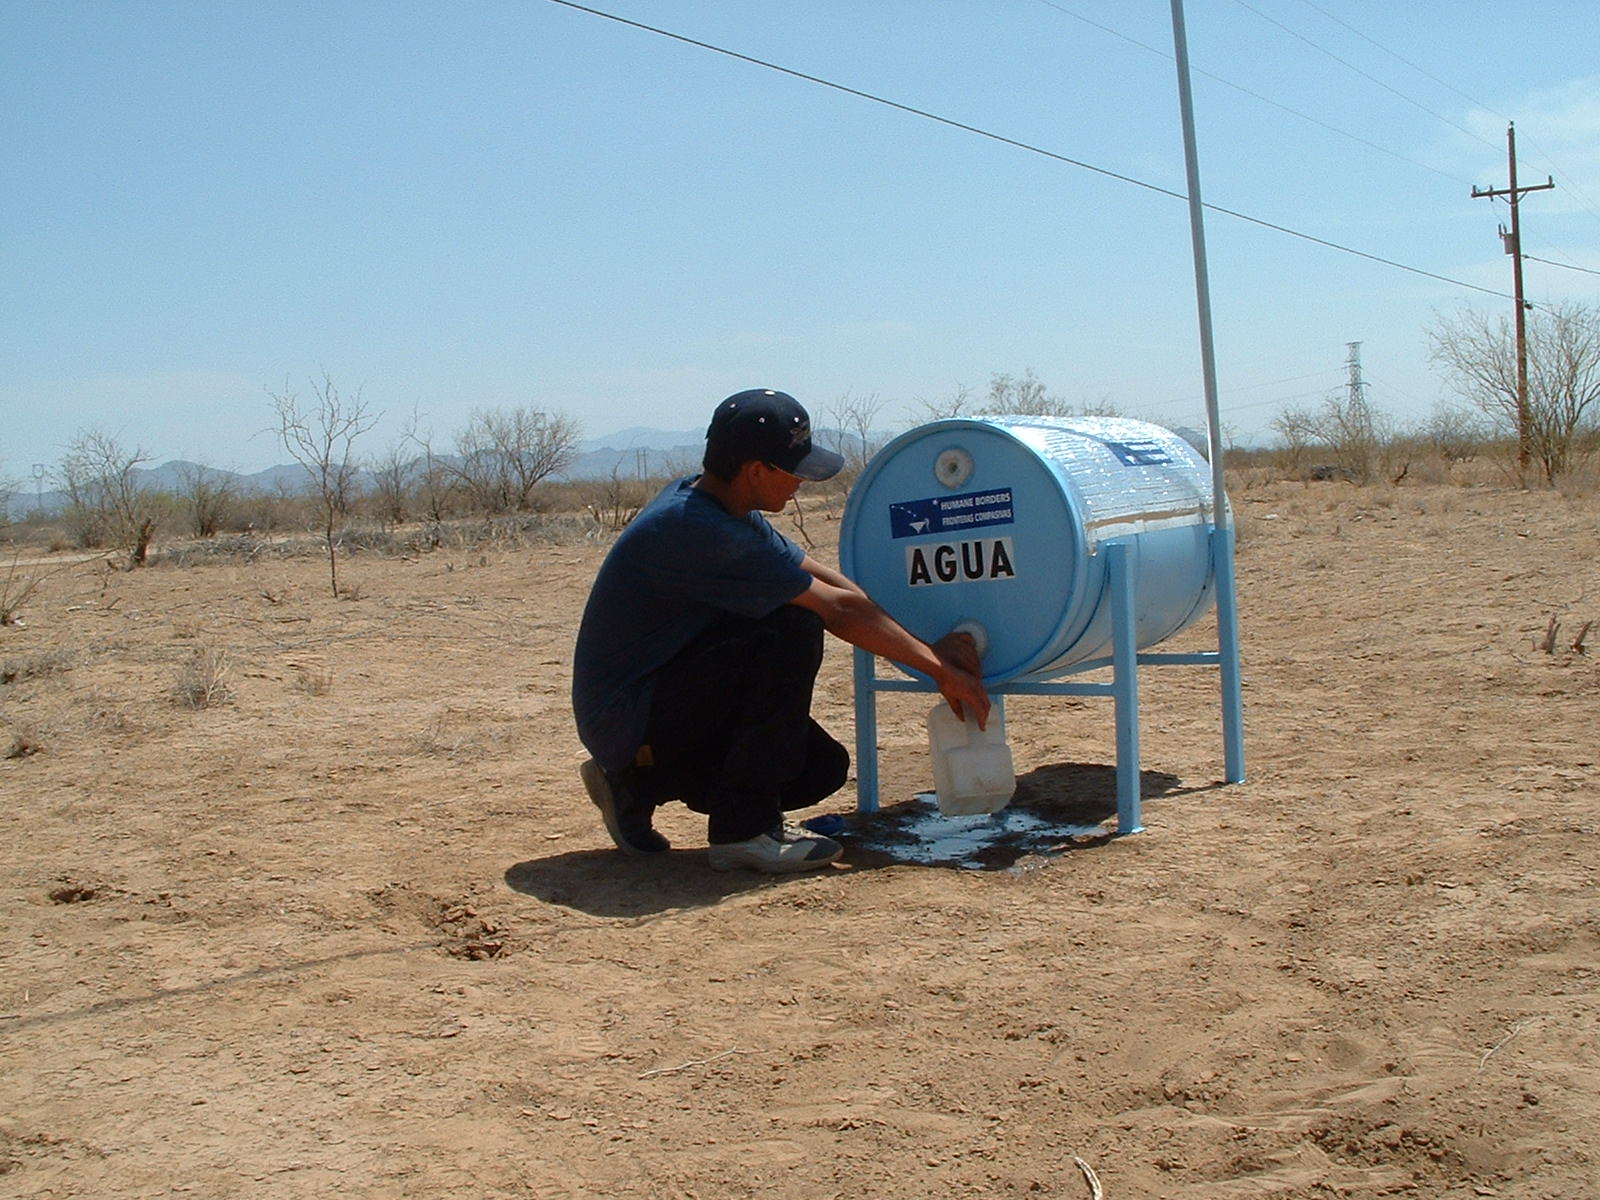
column 785, row 849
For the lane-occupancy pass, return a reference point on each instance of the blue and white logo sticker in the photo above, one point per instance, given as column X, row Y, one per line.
column 1140, row 454
column 951, row 514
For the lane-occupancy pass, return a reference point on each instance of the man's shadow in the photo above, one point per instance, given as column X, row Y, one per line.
column 1056, row 809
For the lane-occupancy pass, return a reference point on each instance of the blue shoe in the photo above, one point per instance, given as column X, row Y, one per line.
column 828, row 824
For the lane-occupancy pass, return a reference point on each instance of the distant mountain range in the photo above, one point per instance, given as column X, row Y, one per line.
column 635, row 453
column 630, row 453
column 638, row 453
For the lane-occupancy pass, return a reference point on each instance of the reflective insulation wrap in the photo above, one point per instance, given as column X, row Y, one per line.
column 998, row 524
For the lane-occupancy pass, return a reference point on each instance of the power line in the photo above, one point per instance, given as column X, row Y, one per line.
column 1254, row 95
column 1570, row 185
column 1373, row 79
column 1444, row 83
column 1232, row 407
column 1244, row 387
column 1545, row 242
column 1566, row 266
column 1020, row 145
column 1399, row 391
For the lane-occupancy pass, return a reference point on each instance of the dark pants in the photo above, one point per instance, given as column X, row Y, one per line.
column 730, row 729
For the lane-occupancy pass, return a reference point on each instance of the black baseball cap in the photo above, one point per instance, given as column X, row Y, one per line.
column 766, row 426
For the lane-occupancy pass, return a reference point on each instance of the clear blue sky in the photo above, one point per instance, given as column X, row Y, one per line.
column 459, row 205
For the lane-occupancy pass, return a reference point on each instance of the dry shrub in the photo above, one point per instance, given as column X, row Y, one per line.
column 17, row 586
column 313, row 679
column 37, row 665
column 464, row 735
column 614, row 502
column 203, row 681
column 1580, row 483
column 443, row 736
column 107, row 714
column 19, row 743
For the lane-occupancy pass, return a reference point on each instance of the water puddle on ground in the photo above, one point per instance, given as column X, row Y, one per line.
column 917, row 832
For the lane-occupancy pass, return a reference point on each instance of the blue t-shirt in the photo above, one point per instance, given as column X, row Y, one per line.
column 679, row 567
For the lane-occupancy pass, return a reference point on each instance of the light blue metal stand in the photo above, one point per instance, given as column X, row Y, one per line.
column 1124, row 662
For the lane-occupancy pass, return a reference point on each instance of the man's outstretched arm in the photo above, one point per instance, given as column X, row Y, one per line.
column 850, row 614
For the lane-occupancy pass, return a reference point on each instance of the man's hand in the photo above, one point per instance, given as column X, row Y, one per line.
column 960, row 650
column 849, row 613
column 961, row 681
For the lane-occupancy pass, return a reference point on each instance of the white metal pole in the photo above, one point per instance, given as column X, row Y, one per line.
column 1222, row 531
column 1202, row 279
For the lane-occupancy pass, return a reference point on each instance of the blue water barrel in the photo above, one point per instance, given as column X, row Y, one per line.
column 999, row 525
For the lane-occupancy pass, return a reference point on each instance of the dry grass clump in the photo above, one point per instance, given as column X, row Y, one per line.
column 313, row 679
column 514, row 531
column 509, row 531
column 37, row 665
column 1582, row 482
column 19, row 580
column 203, row 681
column 19, row 743
column 242, row 548
column 106, row 713
column 15, row 590
column 615, row 501
column 445, row 736
column 464, row 735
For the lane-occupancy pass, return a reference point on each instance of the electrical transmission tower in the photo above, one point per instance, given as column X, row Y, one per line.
column 1512, row 238
column 1355, row 385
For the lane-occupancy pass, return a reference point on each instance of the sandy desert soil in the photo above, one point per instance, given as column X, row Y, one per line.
column 354, row 930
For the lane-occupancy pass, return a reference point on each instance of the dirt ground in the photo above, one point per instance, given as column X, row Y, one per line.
column 353, row 929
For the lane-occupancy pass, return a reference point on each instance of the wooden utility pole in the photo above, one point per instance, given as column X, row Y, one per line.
column 1513, row 244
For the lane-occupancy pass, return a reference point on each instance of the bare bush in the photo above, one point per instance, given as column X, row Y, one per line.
column 1343, row 439
column 957, row 404
column 203, row 680
column 434, row 481
column 321, row 438
column 106, row 504
column 20, row 580
column 1479, row 357
column 393, row 474
column 851, row 419
column 1027, row 396
column 1294, row 428
column 614, row 502
column 206, row 498
column 284, row 507
column 1455, row 434
column 503, row 454
column 17, row 587
column 1010, row 396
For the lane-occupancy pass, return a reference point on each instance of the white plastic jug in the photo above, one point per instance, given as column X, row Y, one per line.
column 972, row 767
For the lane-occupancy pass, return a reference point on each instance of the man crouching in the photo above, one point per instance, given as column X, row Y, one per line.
column 700, row 646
